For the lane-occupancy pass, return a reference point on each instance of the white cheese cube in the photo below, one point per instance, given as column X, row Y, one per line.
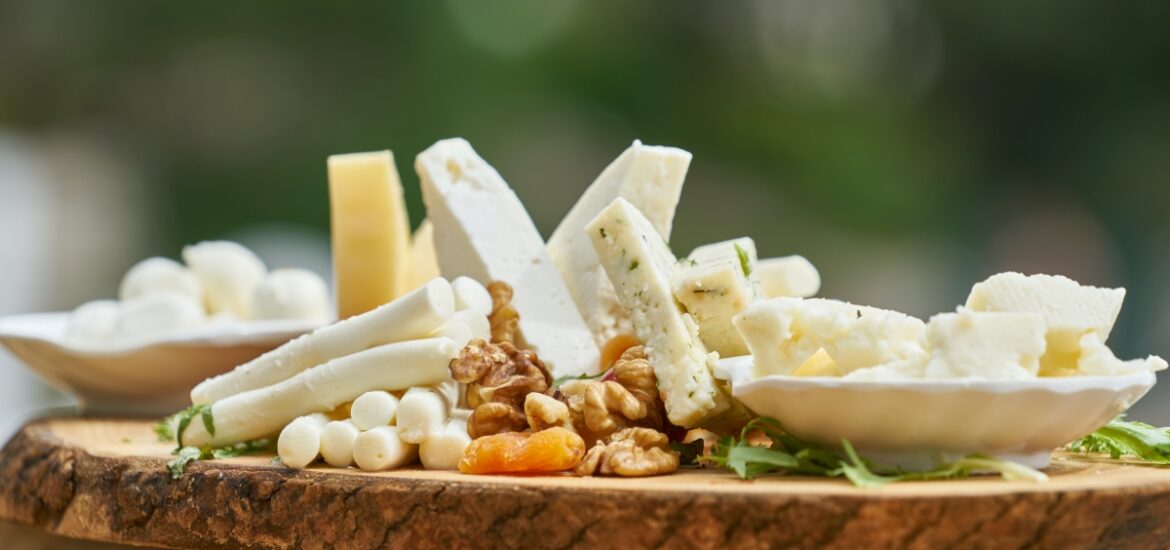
column 791, row 276
column 229, row 274
column 154, row 275
column 482, row 231
column 1069, row 309
column 337, row 439
column 296, row 294
column 651, row 179
column 994, row 346
column 783, row 333
column 639, row 264
column 714, row 286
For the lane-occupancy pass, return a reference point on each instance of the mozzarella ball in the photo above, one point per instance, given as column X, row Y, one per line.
column 155, row 275
column 297, row 294
column 229, row 273
column 156, row 315
column 93, row 322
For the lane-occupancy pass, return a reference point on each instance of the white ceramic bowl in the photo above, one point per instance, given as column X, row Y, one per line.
column 916, row 424
column 150, row 378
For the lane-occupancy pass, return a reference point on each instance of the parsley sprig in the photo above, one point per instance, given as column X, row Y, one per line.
column 186, row 455
column 792, row 456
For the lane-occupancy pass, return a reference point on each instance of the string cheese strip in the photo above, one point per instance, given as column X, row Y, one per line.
column 443, row 450
column 382, row 449
column 263, row 411
column 337, row 440
column 373, row 409
column 421, row 412
column 470, row 295
column 415, row 315
column 300, row 441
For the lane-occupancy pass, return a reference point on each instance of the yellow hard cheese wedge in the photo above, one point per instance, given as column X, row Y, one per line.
column 819, row 364
column 424, row 262
column 371, row 233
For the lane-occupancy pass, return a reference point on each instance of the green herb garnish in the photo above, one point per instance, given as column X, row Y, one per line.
column 688, row 453
column 1121, row 437
column 744, row 261
column 571, row 377
column 794, row 456
column 172, row 427
column 634, row 264
column 186, row 455
column 165, row 429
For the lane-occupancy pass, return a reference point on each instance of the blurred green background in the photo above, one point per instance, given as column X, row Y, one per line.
column 909, row 149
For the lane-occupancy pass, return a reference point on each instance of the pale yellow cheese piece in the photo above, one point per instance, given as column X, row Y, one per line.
column 424, row 262
column 820, row 364
column 370, row 231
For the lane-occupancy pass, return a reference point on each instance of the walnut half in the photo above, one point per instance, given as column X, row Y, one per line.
column 632, row 452
column 601, row 408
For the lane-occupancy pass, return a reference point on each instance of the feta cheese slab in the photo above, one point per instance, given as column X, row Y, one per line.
column 784, row 333
column 1069, row 309
column 482, row 231
column 714, row 285
column 985, row 345
column 650, row 178
column 639, row 264
column 792, row 276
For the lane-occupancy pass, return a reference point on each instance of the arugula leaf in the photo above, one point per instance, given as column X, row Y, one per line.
column 242, row 448
column 569, row 378
column 184, row 456
column 1122, row 437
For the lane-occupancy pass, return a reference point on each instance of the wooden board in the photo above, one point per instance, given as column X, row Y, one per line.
column 105, row 480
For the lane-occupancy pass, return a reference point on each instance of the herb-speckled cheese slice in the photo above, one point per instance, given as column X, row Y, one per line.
column 714, row 284
column 651, row 178
column 639, row 264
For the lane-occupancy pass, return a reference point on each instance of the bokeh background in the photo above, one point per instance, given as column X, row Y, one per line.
column 908, row 148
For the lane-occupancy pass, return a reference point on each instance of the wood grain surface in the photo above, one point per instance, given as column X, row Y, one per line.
column 105, row 480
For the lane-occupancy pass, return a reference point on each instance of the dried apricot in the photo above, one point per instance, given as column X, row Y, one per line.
column 551, row 450
column 615, row 347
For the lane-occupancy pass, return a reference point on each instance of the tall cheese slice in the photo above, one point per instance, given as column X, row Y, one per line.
column 640, row 265
column 424, row 263
column 370, row 231
column 482, row 231
column 651, row 179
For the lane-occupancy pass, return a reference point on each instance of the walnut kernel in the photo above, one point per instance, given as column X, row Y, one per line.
column 632, row 452
column 505, row 320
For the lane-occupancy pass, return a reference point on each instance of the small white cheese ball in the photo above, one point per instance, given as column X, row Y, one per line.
column 93, row 322
column 156, row 315
column 381, row 449
column 337, row 439
column 229, row 273
column 373, row 409
column 300, row 441
column 154, row 275
column 297, row 294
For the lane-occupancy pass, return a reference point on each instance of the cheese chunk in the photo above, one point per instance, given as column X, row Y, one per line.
column 154, row 275
column 1069, row 309
column 482, row 231
column 1096, row 359
column 792, row 276
column 424, row 264
column 783, row 333
column 229, row 274
column 370, row 231
column 820, row 364
column 714, row 286
column 639, row 264
column 651, row 179
column 994, row 346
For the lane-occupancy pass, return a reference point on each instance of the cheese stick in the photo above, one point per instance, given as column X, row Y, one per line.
column 373, row 409
column 443, row 450
column 415, row 315
column 337, row 440
column 422, row 412
column 261, row 412
column 300, row 441
column 470, row 295
column 382, row 449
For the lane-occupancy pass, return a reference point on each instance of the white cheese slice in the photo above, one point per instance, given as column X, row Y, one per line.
column 714, row 285
column 792, row 276
column 994, row 346
column 640, row 265
column 1069, row 309
column 783, row 333
column 482, row 231
column 651, row 179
